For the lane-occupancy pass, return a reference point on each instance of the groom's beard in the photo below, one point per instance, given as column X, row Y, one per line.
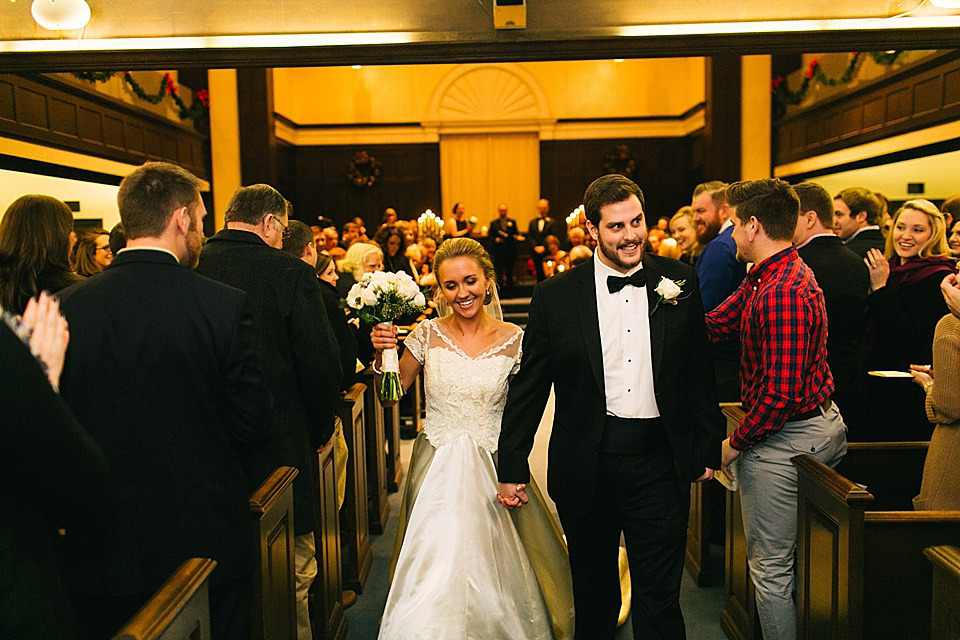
column 612, row 254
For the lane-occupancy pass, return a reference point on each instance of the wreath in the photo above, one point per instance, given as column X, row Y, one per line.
column 621, row 161
column 364, row 170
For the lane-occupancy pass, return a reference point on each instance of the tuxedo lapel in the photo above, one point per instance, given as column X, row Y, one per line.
column 657, row 324
column 589, row 322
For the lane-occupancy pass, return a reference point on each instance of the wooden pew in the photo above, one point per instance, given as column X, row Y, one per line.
column 326, row 593
column 355, row 514
column 179, row 610
column 945, row 622
column 861, row 572
column 274, row 606
column 376, row 456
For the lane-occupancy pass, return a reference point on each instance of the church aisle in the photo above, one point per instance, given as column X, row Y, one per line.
column 701, row 606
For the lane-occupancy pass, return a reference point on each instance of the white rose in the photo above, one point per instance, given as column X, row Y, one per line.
column 667, row 289
column 419, row 300
column 369, row 296
column 353, row 297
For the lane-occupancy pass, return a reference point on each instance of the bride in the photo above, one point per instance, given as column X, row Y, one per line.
column 466, row 567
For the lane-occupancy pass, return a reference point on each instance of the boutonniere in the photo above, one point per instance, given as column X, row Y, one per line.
column 668, row 292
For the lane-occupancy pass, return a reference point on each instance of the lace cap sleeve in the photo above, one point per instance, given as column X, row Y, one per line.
column 416, row 341
column 519, row 354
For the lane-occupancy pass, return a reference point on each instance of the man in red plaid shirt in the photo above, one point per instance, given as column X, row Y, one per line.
column 785, row 385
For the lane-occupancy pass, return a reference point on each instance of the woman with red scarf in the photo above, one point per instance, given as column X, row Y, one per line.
column 905, row 305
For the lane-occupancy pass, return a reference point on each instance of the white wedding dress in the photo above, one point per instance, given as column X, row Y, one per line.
column 467, row 568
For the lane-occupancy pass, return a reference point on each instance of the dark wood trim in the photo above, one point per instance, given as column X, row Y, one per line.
column 723, row 115
column 279, row 117
column 51, row 113
column 701, row 106
column 39, row 168
column 876, row 161
column 258, row 143
column 428, row 48
column 918, row 96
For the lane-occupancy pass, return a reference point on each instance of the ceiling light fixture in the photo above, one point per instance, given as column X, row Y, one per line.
column 61, row 15
column 946, row 4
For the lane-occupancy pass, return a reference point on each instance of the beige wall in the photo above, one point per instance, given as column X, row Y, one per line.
column 578, row 89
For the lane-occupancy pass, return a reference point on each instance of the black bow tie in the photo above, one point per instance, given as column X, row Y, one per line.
column 615, row 283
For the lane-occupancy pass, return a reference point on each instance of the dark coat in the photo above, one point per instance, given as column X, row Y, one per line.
column 561, row 346
column 346, row 338
column 552, row 227
column 844, row 280
column 162, row 372
column 866, row 240
column 301, row 358
column 51, row 472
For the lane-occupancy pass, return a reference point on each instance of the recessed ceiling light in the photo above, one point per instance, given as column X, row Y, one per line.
column 61, row 15
column 357, row 66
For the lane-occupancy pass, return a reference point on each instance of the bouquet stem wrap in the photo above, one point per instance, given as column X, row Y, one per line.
column 391, row 387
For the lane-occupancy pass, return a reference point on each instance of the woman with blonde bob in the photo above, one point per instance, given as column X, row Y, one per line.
column 905, row 305
column 361, row 258
column 683, row 230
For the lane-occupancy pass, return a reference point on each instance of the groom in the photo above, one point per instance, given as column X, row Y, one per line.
column 636, row 417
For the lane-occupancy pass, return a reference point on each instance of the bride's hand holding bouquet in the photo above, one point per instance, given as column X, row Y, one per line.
column 380, row 298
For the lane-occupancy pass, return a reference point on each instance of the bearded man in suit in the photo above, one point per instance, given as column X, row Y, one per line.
column 636, row 415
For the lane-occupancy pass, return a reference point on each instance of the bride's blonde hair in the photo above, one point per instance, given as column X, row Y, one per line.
column 465, row 248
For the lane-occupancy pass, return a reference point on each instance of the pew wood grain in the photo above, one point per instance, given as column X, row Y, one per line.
column 945, row 622
column 376, row 456
column 355, row 514
column 326, row 593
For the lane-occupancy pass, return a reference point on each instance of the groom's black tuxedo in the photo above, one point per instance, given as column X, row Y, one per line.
column 561, row 346
column 641, row 490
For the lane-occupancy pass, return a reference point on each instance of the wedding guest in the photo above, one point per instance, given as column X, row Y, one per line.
column 954, row 240
column 554, row 259
column 684, row 231
column 92, row 254
column 392, row 242
column 36, row 239
column 414, row 256
column 668, row 249
column 361, row 229
column 576, row 236
column 361, row 258
column 349, row 234
column 858, row 214
column 458, row 226
column 118, row 238
column 428, row 247
column 51, row 472
column 940, row 489
column 579, row 254
column 905, row 305
column 951, row 210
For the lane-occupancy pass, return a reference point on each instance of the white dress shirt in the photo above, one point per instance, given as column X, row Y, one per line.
column 625, row 341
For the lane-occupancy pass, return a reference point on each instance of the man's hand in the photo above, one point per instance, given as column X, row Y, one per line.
column 512, row 495
column 727, row 455
column 706, row 477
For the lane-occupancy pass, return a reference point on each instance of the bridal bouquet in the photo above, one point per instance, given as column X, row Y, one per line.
column 385, row 297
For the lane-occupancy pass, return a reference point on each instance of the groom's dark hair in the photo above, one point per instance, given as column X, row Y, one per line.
column 609, row 189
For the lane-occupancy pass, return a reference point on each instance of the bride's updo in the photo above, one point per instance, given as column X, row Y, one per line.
column 465, row 247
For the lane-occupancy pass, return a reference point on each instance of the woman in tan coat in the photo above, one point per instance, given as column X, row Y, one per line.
column 940, row 490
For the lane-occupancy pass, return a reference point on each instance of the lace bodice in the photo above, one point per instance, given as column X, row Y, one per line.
column 465, row 395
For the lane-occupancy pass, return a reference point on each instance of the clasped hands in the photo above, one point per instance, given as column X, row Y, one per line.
column 512, row 494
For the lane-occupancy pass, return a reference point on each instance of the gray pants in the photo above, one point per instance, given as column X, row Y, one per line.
column 768, row 494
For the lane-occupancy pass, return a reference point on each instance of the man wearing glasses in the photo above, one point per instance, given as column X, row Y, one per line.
column 301, row 359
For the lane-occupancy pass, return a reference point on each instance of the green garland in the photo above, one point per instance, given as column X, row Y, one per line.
column 196, row 111
column 784, row 97
column 364, row 170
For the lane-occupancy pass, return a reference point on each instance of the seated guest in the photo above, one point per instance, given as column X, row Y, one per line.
column 300, row 244
column 428, row 247
column 118, row 239
column 414, row 255
column 940, row 489
column 361, row 230
column 684, row 231
column 51, row 472
column 411, row 231
column 187, row 396
column 349, row 234
column 668, row 249
column 857, row 217
column 579, row 254
column 92, row 254
column 392, row 242
column 576, row 236
column 554, row 259
column 36, row 239
column 951, row 210
column 905, row 305
column 361, row 258
column 844, row 280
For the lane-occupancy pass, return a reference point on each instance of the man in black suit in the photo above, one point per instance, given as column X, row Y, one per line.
column 636, row 414
column 300, row 353
column 537, row 231
column 505, row 235
column 857, row 215
column 163, row 372
column 844, row 280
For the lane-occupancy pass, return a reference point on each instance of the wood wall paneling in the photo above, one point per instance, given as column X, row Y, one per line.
column 45, row 111
column 920, row 95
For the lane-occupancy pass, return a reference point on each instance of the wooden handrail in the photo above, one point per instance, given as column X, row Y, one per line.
column 162, row 608
column 271, row 489
column 896, row 517
column 945, row 556
column 835, row 483
column 355, row 393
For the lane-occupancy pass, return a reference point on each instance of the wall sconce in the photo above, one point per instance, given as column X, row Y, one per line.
column 61, row 15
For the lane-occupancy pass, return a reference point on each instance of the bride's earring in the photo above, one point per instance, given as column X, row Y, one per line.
column 489, row 297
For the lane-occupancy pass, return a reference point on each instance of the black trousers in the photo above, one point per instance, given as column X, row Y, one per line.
column 504, row 261
column 637, row 494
